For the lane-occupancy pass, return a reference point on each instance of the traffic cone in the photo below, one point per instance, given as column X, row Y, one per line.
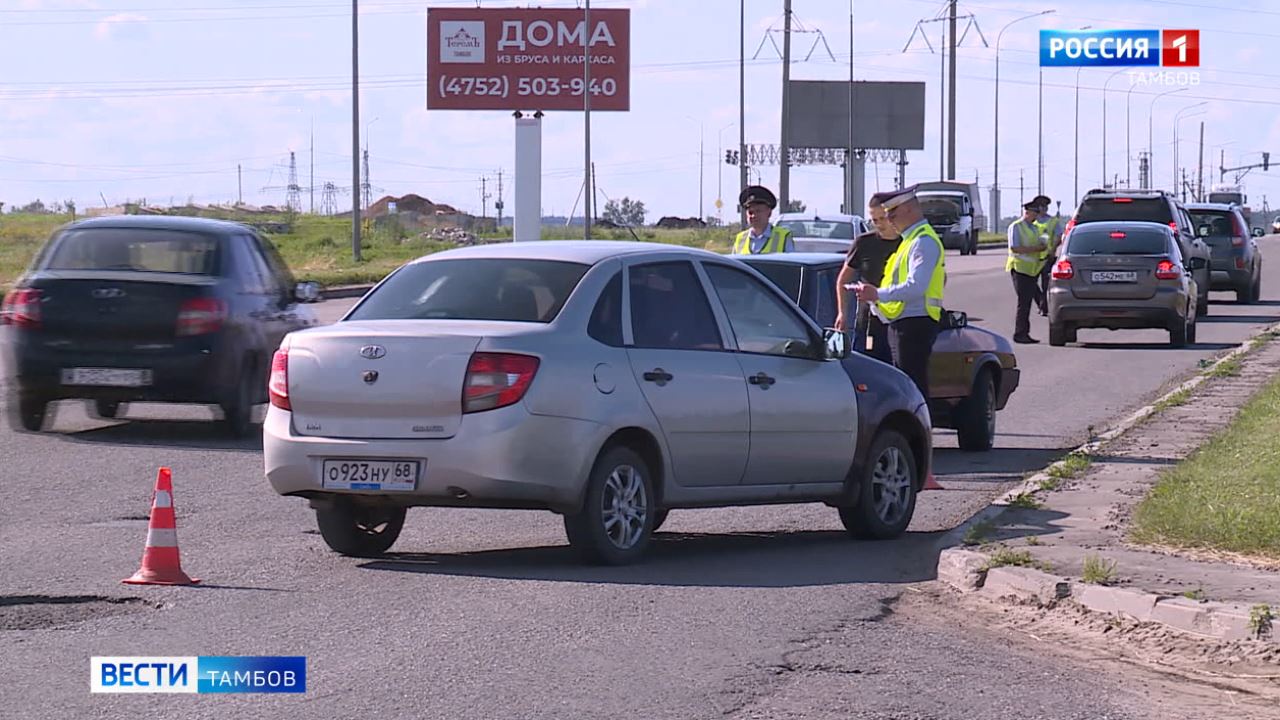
column 160, row 564
column 931, row 484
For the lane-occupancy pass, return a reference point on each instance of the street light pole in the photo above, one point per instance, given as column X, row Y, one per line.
column 1040, row 134
column 995, row 185
column 1075, row 198
column 355, row 130
column 1104, row 123
column 1176, row 119
column 1151, row 155
column 1128, row 154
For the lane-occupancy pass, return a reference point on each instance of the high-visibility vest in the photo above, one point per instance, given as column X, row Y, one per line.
column 1047, row 228
column 899, row 264
column 776, row 243
column 1025, row 264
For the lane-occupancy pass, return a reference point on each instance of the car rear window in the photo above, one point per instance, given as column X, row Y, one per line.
column 822, row 229
column 784, row 275
column 136, row 249
column 1127, row 209
column 1086, row 241
column 474, row 289
column 1220, row 222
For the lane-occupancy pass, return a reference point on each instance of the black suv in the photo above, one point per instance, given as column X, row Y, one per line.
column 150, row 308
column 1119, row 205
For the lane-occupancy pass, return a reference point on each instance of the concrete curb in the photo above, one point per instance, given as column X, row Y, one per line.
column 966, row 571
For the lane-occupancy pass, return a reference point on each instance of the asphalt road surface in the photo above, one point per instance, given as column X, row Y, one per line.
column 739, row 613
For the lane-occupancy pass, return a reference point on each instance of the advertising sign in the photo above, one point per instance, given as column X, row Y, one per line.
column 527, row 59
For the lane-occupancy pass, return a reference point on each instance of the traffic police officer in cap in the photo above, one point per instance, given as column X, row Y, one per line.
column 1050, row 226
column 760, row 236
column 909, row 297
column 1027, row 247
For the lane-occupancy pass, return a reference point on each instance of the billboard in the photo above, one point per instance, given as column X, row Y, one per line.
column 886, row 115
column 527, row 59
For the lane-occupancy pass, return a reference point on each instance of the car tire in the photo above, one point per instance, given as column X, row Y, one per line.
column 976, row 429
column 1073, row 334
column 108, row 409
column 1057, row 334
column 1202, row 305
column 617, row 517
column 1256, row 290
column 1191, row 332
column 886, row 491
column 973, row 245
column 237, row 410
column 1178, row 334
column 359, row 530
column 29, row 411
column 659, row 517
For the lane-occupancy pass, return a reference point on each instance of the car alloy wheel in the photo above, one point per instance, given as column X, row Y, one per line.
column 891, row 485
column 624, row 505
column 886, row 489
column 619, row 509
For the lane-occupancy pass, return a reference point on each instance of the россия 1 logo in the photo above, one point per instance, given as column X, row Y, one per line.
column 1120, row 48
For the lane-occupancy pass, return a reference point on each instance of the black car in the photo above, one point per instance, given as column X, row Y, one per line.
column 1121, row 205
column 150, row 309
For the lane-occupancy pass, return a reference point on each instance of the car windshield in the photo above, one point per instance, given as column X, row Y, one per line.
column 136, row 249
column 823, row 229
column 1149, row 209
column 785, row 275
column 1220, row 222
column 1086, row 241
column 473, row 289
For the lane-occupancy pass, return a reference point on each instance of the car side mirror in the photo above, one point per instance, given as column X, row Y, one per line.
column 837, row 343
column 307, row 292
column 1197, row 263
column 1257, row 232
column 1204, row 231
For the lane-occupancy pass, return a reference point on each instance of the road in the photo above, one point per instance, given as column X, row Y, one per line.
column 739, row 613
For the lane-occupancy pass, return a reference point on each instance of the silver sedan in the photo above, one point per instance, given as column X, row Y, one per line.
column 605, row 381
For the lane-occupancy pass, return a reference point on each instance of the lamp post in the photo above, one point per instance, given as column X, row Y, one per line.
column 701, row 164
column 1128, row 154
column 995, row 185
column 1076, row 174
column 1151, row 156
column 1104, row 123
column 1176, row 119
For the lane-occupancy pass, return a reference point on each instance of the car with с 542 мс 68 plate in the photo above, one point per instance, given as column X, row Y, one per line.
column 972, row 371
column 608, row 382
column 150, row 309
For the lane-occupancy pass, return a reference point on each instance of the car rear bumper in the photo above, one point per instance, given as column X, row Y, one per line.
column 505, row 458
column 195, row 370
column 1164, row 309
column 1229, row 279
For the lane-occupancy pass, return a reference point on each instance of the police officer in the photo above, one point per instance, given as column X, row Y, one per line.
column 909, row 297
column 760, row 236
column 1026, row 254
column 1050, row 226
column 865, row 262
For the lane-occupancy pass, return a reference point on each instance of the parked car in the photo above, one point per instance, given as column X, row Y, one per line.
column 972, row 372
column 1120, row 275
column 1236, row 262
column 1275, row 226
column 146, row 308
column 812, row 232
column 1150, row 206
column 607, row 382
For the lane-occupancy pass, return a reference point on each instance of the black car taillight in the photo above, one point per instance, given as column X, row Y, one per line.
column 201, row 316
column 21, row 308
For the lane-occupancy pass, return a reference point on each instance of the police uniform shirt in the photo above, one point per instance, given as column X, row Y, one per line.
column 925, row 256
column 868, row 256
column 756, row 243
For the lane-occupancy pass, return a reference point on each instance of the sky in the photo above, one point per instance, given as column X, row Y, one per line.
column 108, row 101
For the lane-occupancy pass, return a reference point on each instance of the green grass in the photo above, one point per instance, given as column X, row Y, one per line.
column 1197, row 594
column 1050, row 484
column 1073, row 465
column 978, row 532
column 1005, row 557
column 1173, row 400
column 1226, row 368
column 1227, row 495
column 1098, row 571
column 1025, row 501
column 1260, row 619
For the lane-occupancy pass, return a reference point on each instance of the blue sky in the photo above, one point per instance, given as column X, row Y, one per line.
column 130, row 99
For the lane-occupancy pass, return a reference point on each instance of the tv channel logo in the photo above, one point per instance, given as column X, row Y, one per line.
column 203, row 674
column 1119, row 48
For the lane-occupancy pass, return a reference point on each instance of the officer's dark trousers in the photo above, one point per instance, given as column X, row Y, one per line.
column 869, row 327
column 911, row 340
column 1043, row 294
column 1026, row 287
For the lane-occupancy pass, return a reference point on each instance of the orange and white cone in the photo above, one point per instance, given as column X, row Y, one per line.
column 931, row 484
column 160, row 565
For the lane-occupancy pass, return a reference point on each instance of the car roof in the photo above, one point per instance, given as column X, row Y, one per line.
column 160, row 222
column 821, row 217
column 1113, row 225
column 1211, row 206
column 809, row 258
column 587, row 252
column 1125, row 192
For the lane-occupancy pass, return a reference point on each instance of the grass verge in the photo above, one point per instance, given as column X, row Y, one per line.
column 1227, row 495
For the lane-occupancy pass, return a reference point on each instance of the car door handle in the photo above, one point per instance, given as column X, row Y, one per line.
column 658, row 375
column 761, row 379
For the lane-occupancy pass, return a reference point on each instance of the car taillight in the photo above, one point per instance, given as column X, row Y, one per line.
column 200, row 316
column 1062, row 270
column 496, row 380
column 1237, row 239
column 1121, row 200
column 1070, row 224
column 21, row 308
column 1118, row 234
column 278, row 385
column 1173, row 225
column 1166, row 270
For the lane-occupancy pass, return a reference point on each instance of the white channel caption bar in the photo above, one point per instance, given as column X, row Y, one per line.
column 143, row 674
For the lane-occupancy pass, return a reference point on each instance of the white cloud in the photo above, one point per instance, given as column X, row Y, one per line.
column 121, row 25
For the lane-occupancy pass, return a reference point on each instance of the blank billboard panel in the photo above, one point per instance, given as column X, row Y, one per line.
column 887, row 115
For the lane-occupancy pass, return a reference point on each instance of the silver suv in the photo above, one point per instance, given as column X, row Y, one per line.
column 1123, row 275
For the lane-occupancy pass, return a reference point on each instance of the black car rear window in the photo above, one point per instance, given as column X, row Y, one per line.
column 785, row 275
column 136, row 249
column 474, row 289
column 1141, row 209
column 1087, row 241
column 1220, row 222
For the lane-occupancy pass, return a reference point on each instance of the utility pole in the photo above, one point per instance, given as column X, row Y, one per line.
column 595, row 194
column 498, row 205
column 366, row 188
column 1200, row 169
column 484, row 199
column 355, row 130
column 902, row 169
column 1040, row 133
column 951, row 112
column 742, row 106
column 239, row 185
column 312, row 182
column 702, row 161
column 586, row 121
column 784, row 170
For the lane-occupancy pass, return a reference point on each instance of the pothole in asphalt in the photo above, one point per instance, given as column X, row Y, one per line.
column 122, row 521
column 33, row 612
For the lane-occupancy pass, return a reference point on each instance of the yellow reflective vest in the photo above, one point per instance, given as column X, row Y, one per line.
column 1047, row 228
column 899, row 265
column 776, row 243
column 1025, row 264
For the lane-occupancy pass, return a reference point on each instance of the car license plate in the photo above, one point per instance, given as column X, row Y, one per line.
column 357, row 474
column 106, row 377
column 1113, row 276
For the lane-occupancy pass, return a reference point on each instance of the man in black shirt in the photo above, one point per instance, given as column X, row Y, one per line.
column 866, row 262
